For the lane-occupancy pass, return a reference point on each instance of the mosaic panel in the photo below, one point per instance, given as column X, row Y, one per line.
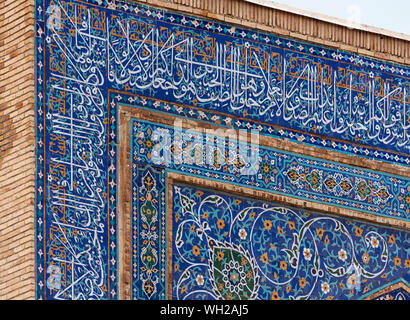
column 254, row 75
column 87, row 49
column 265, row 129
column 231, row 247
column 234, row 248
column 188, row 151
column 148, row 232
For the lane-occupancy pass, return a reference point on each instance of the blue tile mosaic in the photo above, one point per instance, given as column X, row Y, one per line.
column 231, row 247
column 92, row 55
column 270, row 169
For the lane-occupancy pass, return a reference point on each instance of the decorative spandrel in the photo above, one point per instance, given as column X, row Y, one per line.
column 228, row 247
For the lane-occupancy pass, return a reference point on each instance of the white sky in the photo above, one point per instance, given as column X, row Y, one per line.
column 393, row 15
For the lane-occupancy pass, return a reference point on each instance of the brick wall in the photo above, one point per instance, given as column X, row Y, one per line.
column 17, row 149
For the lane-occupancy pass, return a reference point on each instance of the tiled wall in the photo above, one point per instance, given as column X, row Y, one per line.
column 59, row 143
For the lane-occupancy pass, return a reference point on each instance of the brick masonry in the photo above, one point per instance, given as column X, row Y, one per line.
column 17, row 109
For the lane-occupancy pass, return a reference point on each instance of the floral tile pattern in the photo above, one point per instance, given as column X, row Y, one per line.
column 229, row 247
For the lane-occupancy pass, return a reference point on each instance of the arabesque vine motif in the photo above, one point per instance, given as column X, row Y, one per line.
column 234, row 248
column 148, row 232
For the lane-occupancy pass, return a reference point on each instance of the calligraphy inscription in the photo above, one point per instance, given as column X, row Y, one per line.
column 245, row 73
column 190, row 62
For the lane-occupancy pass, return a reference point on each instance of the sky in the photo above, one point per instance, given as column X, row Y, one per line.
column 392, row 15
